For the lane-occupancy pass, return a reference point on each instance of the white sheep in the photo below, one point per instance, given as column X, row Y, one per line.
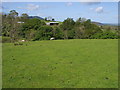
column 52, row 38
column 22, row 41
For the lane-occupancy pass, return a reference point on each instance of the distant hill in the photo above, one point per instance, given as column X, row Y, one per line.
column 98, row 23
column 31, row 17
column 102, row 24
column 111, row 24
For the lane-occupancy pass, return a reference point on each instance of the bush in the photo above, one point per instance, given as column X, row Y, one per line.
column 44, row 33
column 6, row 40
column 105, row 35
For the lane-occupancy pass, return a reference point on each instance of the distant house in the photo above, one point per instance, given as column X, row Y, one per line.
column 52, row 23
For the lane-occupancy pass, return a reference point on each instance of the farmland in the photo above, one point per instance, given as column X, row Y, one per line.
column 76, row 63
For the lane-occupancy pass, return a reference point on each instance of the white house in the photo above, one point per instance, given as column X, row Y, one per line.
column 52, row 23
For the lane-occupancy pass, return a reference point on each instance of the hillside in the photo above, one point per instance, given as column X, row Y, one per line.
column 31, row 17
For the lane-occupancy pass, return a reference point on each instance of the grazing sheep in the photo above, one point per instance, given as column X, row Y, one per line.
column 52, row 38
column 22, row 40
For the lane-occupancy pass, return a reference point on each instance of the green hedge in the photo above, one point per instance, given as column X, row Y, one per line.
column 6, row 40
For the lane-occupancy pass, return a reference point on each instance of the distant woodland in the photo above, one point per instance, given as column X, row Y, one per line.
column 16, row 27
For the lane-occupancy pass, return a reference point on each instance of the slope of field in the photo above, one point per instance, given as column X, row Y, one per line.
column 61, row 64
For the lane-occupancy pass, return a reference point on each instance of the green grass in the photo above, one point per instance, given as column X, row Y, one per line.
column 61, row 64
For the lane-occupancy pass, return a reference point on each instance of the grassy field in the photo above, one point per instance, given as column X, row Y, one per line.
column 61, row 64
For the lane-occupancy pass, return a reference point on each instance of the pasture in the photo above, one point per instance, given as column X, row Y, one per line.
column 61, row 64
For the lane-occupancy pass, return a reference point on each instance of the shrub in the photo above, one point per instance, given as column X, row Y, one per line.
column 6, row 40
column 105, row 35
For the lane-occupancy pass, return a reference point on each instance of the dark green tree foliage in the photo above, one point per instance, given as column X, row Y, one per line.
column 57, row 32
column 30, row 34
column 105, row 35
column 13, row 13
column 71, row 34
column 6, row 25
column 24, row 17
column 79, row 32
column 67, row 26
column 44, row 33
column 10, row 25
column 79, row 29
column 90, row 29
column 36, row 29
column 78, row 22
column 33, row 24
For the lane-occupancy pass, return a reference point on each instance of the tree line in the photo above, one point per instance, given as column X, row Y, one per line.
column 17, row 27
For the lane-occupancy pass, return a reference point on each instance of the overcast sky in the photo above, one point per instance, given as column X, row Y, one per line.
column 104, row 12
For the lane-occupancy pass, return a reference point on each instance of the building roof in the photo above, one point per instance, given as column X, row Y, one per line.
column 48, row 23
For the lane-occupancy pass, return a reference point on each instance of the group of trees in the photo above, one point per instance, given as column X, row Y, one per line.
column 10, row 25
column 36, row 29
column 49, row 18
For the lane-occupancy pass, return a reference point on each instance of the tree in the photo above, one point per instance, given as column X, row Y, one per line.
column 45, row 18
column 13, row 13
column 36, row 29
column 49, row 18
column 31, row 25
column 83, row 19
column 53, row 19
column 24, row 17
column 79, row 29
column 44, row 33
column 71, row 34
column 79, row 20
column 66, row 26
column 12, row 22
column 90, row 29
column 30, row 34
column 105, row 35
column 57, row 32
column 79, row 32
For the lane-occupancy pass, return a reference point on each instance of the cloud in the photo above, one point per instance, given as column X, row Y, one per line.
column 92, row 3
column 90, row 0
column 32, row 7
column 99, row 10
column 91, row 8
column 69, row 4
column 60, row 0
column 21, row 8
column 41, row 14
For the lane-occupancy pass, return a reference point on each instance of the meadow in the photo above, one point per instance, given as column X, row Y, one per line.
column 82, row 63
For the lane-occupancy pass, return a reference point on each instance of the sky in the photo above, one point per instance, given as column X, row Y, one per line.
column 104, row 12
